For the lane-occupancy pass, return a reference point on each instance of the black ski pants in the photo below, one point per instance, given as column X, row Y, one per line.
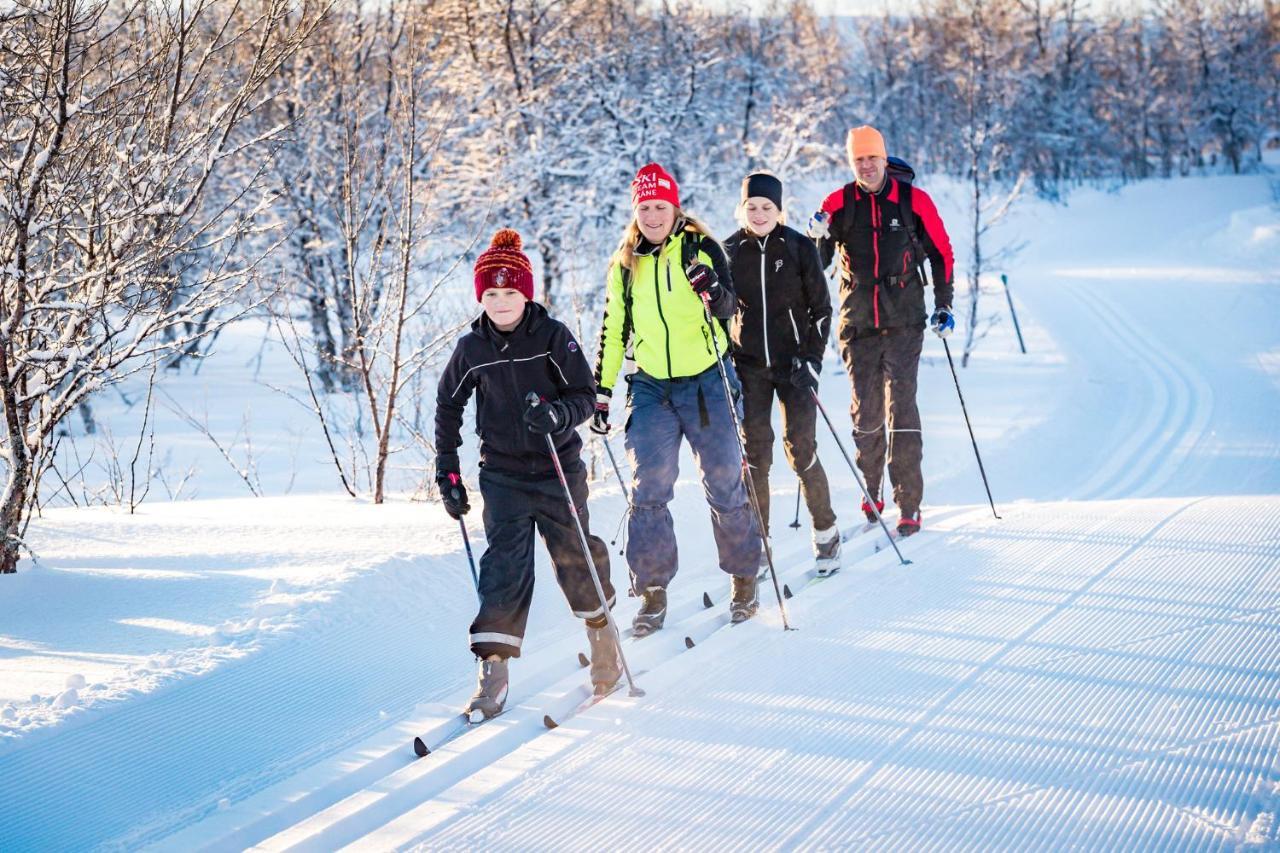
column 513, row 508
column 799, row 440
column 884, row 366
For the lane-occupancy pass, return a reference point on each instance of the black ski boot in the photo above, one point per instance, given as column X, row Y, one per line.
column 653, row 612
column 491, row 690
column 745, row 601
column 606, row 664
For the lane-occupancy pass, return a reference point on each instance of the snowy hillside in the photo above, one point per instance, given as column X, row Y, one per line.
column 1098, row 669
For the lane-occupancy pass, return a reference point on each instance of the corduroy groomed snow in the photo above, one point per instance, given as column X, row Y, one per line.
column 653, row 183
column 504, row 265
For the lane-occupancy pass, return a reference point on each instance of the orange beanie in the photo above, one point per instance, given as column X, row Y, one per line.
column 865, row 141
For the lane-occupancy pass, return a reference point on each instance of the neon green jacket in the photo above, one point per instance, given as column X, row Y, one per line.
column 666, row 325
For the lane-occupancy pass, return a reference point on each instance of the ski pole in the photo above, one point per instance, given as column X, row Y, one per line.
column 870, row 502
column 795, row 525
column 534, row 401
column 976, row 454
column 466, row 540
column 1004, row 279
column 616, row 471
column 742, row 450
column 454, row 480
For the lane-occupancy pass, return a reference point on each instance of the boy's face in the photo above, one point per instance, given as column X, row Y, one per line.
column 504, row 306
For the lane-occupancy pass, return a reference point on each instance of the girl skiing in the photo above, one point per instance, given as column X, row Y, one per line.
column 779, row 336
column 666, row 277
column 513, row 348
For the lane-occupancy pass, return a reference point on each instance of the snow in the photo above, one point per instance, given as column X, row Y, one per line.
column 1098, row 668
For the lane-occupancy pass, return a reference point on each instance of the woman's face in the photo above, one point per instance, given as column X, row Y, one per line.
column 656, row 219
column 761, row 215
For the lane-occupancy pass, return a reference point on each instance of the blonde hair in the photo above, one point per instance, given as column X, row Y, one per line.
column 625, row 255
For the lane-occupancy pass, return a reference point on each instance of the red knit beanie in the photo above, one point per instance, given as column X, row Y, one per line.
column 653, row 183
column 504, row 265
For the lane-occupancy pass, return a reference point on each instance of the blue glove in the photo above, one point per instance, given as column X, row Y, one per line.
column 818, row 226
column 942, row 322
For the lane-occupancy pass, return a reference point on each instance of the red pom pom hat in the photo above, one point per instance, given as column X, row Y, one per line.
column 504, row 265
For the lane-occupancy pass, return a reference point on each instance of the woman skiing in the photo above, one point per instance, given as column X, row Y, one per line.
column 669, row 295
column 779, row 336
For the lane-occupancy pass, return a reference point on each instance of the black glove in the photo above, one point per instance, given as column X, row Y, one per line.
column 600, row 420
column 804, row 373
column 453, row 493
column 546, row 418
column 703, row 280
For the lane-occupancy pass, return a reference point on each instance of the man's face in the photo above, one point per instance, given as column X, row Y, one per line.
column 870, row 171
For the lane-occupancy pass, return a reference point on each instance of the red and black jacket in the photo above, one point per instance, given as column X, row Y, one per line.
column 872, row 235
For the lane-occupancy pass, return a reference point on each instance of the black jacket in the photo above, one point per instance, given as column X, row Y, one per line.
column 880, row 284
column 538, row 355
column 784, row 307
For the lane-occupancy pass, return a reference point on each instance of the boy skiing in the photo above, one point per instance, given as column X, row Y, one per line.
column 514, row 348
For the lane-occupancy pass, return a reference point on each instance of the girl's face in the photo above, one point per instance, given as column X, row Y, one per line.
column 761, row 215
column 656, row 219
column 504, row 306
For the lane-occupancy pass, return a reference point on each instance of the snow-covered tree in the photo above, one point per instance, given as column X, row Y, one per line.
column 114, row 120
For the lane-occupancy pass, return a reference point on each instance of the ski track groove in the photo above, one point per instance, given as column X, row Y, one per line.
column 361, row 809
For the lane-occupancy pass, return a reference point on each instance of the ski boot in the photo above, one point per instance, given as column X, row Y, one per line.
column 909, row 524
column 745, row 602
column 826, row 551
column 491, row 690
column 653, row 612
column 606, row 664
column 867, row 511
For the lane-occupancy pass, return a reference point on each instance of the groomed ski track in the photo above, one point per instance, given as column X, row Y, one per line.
column 1098, row 670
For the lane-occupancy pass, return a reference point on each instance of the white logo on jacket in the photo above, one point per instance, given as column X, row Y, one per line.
column 777, row 265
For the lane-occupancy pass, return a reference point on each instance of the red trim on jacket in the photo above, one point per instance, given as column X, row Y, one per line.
column 927, row 213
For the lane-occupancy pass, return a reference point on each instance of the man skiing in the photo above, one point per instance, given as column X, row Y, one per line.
column 514, row 348
column 881, row 229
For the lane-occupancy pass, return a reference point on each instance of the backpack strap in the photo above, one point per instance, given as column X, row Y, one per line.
column 909, row 222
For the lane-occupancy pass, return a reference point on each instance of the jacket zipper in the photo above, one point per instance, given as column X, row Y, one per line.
column 657, row 295
column 764, row 304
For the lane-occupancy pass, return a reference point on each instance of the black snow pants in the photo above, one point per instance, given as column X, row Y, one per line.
column 513, row 508
column 799, row 440
column 880, row 362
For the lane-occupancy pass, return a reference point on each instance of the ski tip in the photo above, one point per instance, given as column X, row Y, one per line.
column 689, row 643
column 420, row 748
column 583, row 660
column 786, row 591
column 548, row 722
column 706, row 601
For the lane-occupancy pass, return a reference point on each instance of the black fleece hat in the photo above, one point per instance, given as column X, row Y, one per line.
column 762, row 185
